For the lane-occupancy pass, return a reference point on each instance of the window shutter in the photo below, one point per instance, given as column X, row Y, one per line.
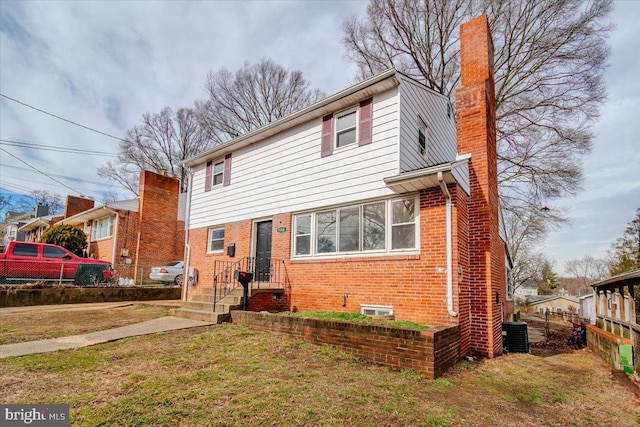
column 364, row 127
column 327, row 136
column 208, row 177
column 226, row 178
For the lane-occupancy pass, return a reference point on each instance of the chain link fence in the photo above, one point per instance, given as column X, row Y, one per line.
column 19, row 271
column 140, row 275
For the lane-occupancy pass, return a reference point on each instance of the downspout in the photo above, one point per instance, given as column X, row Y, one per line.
column 447, row 196
column 187, row 247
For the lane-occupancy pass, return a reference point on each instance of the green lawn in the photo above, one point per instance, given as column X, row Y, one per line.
column 229, row 375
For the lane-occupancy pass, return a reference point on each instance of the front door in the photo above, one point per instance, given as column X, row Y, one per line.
column 262, row 272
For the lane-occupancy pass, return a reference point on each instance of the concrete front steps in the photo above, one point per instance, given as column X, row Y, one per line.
column 201, row 306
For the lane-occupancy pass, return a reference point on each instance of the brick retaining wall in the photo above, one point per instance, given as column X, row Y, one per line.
column 27, row 297
column 431, row 352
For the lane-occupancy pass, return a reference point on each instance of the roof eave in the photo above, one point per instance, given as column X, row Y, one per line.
column 345, row 98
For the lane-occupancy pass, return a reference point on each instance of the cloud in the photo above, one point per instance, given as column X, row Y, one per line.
column 104, row 64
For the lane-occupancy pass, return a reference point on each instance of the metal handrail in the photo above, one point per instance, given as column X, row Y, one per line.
column 266, row 271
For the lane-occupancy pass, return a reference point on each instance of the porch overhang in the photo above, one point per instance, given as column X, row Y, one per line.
column 102, row 211
column 625, row 279
column 456, row 172
column 33, row 225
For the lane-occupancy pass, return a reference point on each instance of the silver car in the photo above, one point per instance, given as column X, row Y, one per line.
column 170, row 273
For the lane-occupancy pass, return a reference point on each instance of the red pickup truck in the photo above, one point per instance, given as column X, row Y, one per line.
column 27, row 262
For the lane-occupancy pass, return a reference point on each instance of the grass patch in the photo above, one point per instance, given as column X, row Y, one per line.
column 356, row 318
column 19, row 327
column 234, row 376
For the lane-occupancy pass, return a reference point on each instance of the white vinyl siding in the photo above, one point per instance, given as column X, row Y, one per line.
column 417, row 102
column 285, row 173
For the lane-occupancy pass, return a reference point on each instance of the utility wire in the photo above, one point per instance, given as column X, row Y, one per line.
column 54, row 148
column 43, row 173
column 61, row 118
column 4, row 165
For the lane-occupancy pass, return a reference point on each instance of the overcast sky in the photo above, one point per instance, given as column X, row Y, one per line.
column 104, row 64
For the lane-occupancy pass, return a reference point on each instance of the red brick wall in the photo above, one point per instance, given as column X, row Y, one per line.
column 476, row 128
column 75, row 205
column 431, row 352
column 415, row 285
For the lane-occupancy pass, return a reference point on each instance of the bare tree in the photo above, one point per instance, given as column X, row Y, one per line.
column 588, row 270
column 158, row 144
column 53, row 201
column 549, row 61
column 252, row 97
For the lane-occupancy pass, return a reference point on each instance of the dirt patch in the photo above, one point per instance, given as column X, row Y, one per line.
column 556, row 340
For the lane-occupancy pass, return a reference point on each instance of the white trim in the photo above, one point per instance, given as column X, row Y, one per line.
column 388, row 230
column 209, row 230
column 351, row 110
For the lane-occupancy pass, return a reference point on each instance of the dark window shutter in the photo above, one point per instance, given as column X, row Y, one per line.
column 208, row 177
column 226, row 179
column 366, row 113
column 327, row 136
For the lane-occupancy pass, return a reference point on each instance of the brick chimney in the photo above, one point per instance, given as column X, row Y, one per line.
column 158, row 238
column 75, row 205
column 476, row 129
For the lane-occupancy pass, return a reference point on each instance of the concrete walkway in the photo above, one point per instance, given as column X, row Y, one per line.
column 162, row 324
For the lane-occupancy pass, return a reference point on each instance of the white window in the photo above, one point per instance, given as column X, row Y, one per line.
column 422, row 136
column 303, row 235
column 345, row 128
column 102, row 228
column 359, row 228
column 218, row 173
column 403, row 225
column 376, row 310
column 216, row 240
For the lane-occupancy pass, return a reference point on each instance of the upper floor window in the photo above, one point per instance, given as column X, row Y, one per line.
column 218, row 173
column 102, row 228
column 216, row 240
column 345, row 128
column 422, row 136
column 370, row 227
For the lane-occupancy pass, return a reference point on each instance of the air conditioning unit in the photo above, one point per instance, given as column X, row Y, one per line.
column 515, row 337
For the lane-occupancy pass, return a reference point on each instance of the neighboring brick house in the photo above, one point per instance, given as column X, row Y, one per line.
column 373, row 200
column 139, row 233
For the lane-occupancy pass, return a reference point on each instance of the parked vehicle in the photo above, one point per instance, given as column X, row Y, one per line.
column 24, row 262
column 170, row 273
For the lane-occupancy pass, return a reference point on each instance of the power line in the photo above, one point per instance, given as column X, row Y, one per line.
column 61, row 118
column 55, row 148
column 4, row 165
column 43, row 173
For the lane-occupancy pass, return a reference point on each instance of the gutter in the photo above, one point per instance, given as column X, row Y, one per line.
column 447, row 196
